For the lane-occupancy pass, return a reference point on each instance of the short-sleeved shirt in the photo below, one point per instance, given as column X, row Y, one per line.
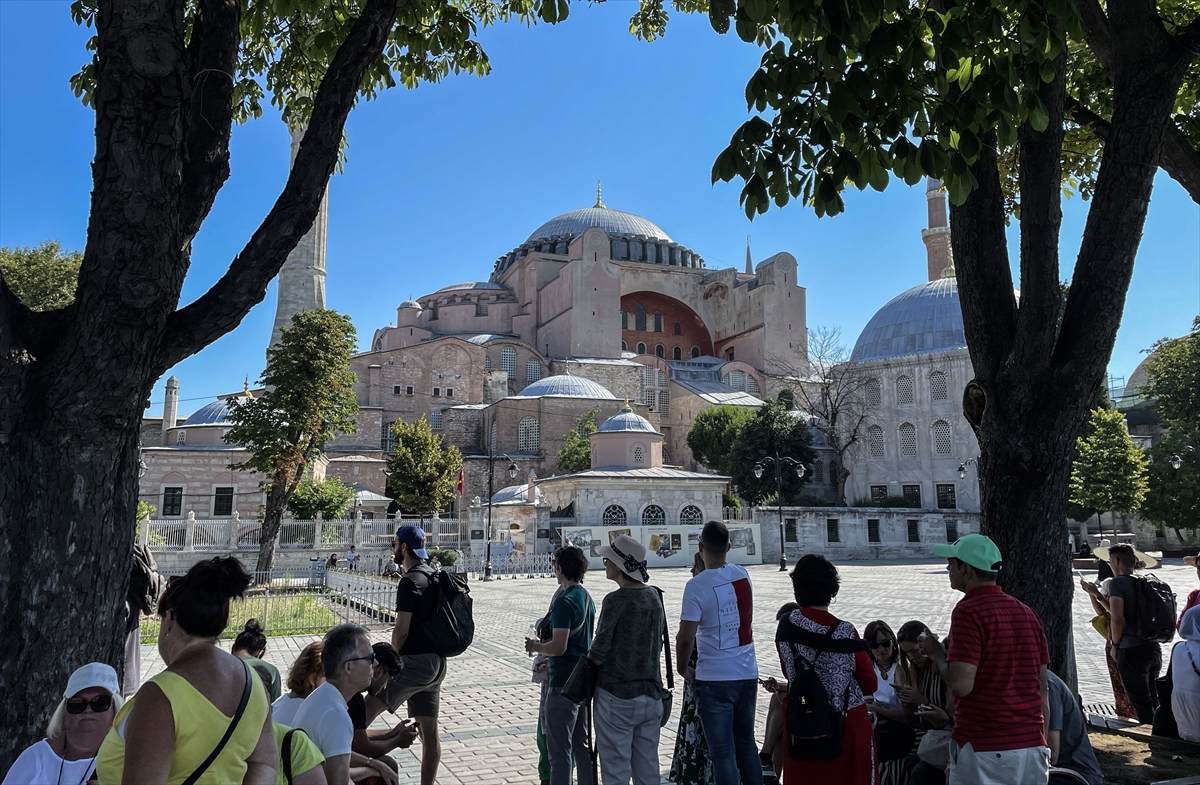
column 305, row 755
column 284, row 709
column 269, row 674
column 324, row 718
column 413, row 595
column 1125, row 587
column 356, row 707
column 1074, row 748
column 40, row 765
column 1004, row 639
column 572, row 610
column 722, row 601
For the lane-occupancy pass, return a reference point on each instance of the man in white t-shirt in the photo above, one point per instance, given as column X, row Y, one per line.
column 352, row 559
column 347, row 660
column 718, row 609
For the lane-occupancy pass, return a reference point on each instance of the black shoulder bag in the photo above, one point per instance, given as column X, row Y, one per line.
column 237, row 718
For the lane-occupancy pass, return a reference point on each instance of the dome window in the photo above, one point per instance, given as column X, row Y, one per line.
column 614, row 515
column 653, row 515
column 904, row 389
column 938, row 389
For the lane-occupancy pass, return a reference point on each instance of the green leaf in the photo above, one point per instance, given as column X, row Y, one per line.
column 1039, row 118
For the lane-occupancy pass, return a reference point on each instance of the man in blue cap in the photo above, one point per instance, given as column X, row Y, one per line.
column 996, row 665
column 419, row 683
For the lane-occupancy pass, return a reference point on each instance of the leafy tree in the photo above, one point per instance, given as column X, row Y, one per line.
column 422, row 474
column 576, row 454
column 168, row 79
column 43, row 277
column 309, row 399
column 1109, row 474
column 979, row 95
column 1173, row 371
column 776, row 432
column 1173, row 500
column 712, row 436
column 329, row 497
column 145, row 510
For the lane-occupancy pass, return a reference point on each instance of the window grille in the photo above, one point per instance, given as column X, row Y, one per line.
column 875, row 441
column 528, row 436
column 874, row 398
column 223, row 501
column 695, row 352
column 533, row 370
column 397, row 389
column 677, row 353
column 638, row 455
column 408, row 390
column 181, row 437
column 614, row 515
column 481, row 308
column 691, row 516
column 818, row 471
column 752, row 385
column 941, row 437
column 435, row 421
column 736, row 380
column 908, row 440
column 449, row 392
column 789, row 530
column 660, row 351
column 678, row 328
column 833, row 474
column 172, row 501
column 938, row 389
column 904, row 389
column 947, row 499
column 437, row 392
column 662, row 379
column 487, row 363
column 664, row 403
column 639, row 318
column 951, row 531
column 387, row 440
column 508, row 361
column 831, row 530
column 878, row 493
column 624, row 346
column 872, row 530
column 657, row 322
column 912, row 493
column 654, row 516
column 624, row 319
column 914, row 531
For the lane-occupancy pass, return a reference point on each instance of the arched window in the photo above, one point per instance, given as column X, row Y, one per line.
column 487, row 363
column 875, row 441
column 653, row 515
column 659, row 350
column 695, row 352
column 639, row 318
column 678, row 328
column 435, row 420
column 666, row 456
column 691, row 516
column 908, row 440
column 818, row 470
column 874, row 398
column 614, row 515
column 508, row 361
column 904, row 389
column 736, row 380
column 386, row 439
column 624, row 346
column 833, row 473
column 752, row 385
column 941, row 437
column 533, row 370
column 938, row 389
column 677, row 353
column 528, row 437
column 657, row 322
column 641, row 349
column 624, row 319
column 481, row 307
column 639, row 455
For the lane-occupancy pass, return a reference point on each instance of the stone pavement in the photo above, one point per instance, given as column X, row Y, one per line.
column 489, row 704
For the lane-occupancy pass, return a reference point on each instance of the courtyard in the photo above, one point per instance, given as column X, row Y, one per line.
column 489, row 703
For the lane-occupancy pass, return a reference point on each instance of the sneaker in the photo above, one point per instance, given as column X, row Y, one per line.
column 768, row 770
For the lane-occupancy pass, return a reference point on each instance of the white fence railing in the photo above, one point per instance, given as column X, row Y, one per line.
column 506, row 565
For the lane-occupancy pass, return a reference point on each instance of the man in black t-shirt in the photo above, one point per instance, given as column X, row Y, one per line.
column 419, row 683
column 1139, row 661
column 378, row 743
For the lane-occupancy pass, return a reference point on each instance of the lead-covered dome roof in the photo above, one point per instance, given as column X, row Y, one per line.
column 926, row 318
column 616, row 223
column 624, row 421
column 215, row 413
column 566, row 387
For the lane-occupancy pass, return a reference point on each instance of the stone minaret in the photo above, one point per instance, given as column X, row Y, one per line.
column 302, row 279
column 937, row 236
column 170, row 407
column 749, row 263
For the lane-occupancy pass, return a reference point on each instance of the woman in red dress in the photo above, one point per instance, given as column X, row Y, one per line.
column 847, row 676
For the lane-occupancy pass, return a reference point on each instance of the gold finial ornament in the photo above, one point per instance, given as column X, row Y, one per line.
column 599, row 203
column 246, row 389
column 949, row 271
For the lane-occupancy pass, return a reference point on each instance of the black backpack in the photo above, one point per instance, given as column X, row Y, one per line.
column 452, row 628
column 1155, row 609
column 815, row 729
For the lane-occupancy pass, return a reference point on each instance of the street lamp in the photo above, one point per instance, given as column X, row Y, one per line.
column 512, row 475
column 962, row 467
column 758, row 473
column 1176, row 461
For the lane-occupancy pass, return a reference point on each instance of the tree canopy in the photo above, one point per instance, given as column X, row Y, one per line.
column 712, row 435
column 422, row 474
column 1109, row 474
column 576, row 453
column 330, row 497
column 42, row 277
column 1173, row 372
column 772, row 432
column 1173, row 379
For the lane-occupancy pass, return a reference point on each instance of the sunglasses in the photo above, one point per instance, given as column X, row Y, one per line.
column 370, row 657
column 99, row 703
column 880, row 644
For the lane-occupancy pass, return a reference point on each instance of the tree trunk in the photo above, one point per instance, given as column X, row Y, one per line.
column 268, row 536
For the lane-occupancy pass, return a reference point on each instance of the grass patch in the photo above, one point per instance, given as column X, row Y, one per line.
column 287, row 613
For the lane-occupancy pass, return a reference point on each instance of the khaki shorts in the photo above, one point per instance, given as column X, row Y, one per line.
column 419, row 685
column 1028, row 766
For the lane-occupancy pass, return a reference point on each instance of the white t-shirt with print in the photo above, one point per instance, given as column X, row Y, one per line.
column 323, row 716
column 39, row 765
column 722, row 601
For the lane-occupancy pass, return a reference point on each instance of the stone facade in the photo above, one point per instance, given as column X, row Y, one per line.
column 860, row 532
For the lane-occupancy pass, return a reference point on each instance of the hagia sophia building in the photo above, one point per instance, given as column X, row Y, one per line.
column 595, row 308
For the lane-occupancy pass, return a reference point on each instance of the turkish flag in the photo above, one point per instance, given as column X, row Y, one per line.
column 461, row 482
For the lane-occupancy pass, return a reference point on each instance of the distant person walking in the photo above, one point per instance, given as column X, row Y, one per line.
column 718, row 611
column 996, row 667
column 1139, row 660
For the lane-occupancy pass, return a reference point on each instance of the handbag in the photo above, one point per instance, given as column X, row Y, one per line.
column 669, row 698
column 934, row 748
column 1164, row 716
column 237, row 717
column 893, row 740
column 581, row 684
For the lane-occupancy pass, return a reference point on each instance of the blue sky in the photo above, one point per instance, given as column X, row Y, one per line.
column 444, row 179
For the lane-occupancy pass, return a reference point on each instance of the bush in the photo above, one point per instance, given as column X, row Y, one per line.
column 808, row 500
column 886, row 501
column 445, row 557
column 731, row 502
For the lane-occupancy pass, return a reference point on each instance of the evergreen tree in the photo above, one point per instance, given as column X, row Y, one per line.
column 576, row 454
column 422, row 474
column 1109, row 474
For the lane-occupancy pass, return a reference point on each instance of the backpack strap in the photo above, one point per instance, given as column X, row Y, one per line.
column 666, row 640
column 285, row 755
column 237, row 718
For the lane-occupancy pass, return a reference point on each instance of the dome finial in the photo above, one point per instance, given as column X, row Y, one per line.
column 948, row 272
column 599, row 203
column 246, row 388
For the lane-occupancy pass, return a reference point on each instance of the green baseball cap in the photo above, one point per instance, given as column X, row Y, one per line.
column 974, row 549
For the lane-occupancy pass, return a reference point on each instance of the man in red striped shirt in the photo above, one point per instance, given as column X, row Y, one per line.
column 996, row 665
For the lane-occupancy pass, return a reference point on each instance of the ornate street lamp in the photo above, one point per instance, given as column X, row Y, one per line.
column 512, row 475
column 1176, row 460
column 758, row 473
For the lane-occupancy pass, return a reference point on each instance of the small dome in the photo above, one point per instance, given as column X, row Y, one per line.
column 516, row 493
column 614, row 222
column 566, row 387
column 926, row 318
column 411, row 304
column 624, row 421
column 215, row 413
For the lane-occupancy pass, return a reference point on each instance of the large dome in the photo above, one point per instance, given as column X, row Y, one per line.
column 615, row 222
column 215, row 413
column 566, row 387
column 926, row 318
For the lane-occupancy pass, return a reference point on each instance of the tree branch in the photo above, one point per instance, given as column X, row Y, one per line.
column 244, row 285
column 1097, row 31
column 208, row 119
column 1188, row 38
column 36, row 332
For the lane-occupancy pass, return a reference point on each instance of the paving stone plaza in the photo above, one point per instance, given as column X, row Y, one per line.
column 489, row 704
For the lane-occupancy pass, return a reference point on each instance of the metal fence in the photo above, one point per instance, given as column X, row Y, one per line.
column 505, row 565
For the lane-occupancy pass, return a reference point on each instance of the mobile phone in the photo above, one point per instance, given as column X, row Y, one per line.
column 925, row 707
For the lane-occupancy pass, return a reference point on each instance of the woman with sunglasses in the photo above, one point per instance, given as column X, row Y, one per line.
column 924, row 696
column 178, row 719
column 894, row 738
column 73, row 736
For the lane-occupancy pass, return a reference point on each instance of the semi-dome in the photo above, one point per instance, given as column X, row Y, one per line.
column 615, row 222
column 215, row 413
column 625, row 421
column 926, row 318
column 566, row 386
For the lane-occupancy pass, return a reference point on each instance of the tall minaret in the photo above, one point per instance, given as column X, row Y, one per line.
column 749, row 263
column 937, row 236
column 170, row 407
column 302, row 279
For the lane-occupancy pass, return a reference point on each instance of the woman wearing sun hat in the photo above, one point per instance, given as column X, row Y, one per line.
column 1193, row 598
column 75, row 732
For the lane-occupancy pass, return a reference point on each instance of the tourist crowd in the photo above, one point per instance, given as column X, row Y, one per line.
column 976, row 706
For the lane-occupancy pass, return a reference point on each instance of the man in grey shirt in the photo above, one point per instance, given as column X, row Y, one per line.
column 1139, row 661
column 1069, row 745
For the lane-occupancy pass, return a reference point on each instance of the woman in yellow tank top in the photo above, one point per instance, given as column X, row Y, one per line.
column 178, row 718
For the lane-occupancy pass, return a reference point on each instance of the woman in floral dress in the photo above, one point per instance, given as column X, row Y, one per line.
column 691, row 764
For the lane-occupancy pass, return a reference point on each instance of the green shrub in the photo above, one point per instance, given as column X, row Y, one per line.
column 886, row 501
column 731, row 502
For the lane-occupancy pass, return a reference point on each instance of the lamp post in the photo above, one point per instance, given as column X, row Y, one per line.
column 777, row 461
column 1176, row 460
column 512, row 475
column 962, row 467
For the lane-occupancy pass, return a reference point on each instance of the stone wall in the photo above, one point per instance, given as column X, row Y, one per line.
column 854, row 531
